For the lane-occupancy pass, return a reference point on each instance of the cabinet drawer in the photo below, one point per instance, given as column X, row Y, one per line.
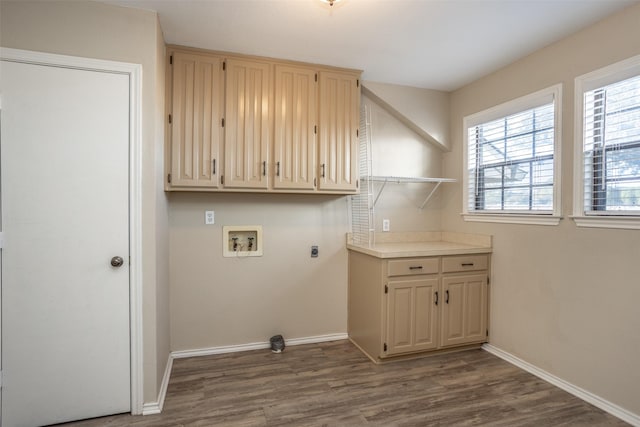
column 464, row 263
column 407, row 267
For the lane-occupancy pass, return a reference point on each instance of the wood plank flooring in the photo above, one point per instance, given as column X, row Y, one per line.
column 334, row 384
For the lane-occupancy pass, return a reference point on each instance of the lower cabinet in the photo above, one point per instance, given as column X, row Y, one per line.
column 411, row 315
column 464, row 310
column 412, row 305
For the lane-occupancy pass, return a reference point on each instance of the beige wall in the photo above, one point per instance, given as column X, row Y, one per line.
column 217, row 301
column 95, row 30
column 563, row 298
column 163, row 340
column 398, row 151
column 424, row 110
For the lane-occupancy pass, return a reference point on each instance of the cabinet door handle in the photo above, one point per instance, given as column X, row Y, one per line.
column 467, row 264
column 264, row 168
column 447, row 296
column 322, row 175
column 278, row 169
column 213, row 167
column 417, row 267
column 436, row 297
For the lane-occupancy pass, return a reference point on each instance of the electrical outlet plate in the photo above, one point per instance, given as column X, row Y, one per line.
column 209, row 217
column 386, row 225
column 236, row 240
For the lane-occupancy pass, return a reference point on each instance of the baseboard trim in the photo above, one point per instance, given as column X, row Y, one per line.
column 587, row 396
column 153, row 408
column 255, row 346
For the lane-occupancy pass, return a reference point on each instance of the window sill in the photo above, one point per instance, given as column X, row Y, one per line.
column 629, row 223
column 514, row 219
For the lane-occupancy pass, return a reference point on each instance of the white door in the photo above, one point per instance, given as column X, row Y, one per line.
column 65, row 309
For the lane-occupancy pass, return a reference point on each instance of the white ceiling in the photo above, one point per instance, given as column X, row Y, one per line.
column 435, row 44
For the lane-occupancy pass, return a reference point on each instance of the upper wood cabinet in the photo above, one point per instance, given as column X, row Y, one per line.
column 296, row 100
column 198, row 103
column 249, row 124
column 339, row 122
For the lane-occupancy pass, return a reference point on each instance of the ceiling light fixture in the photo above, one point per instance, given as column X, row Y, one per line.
column 330, row 2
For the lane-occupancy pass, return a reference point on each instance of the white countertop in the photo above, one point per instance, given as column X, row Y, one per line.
column 428, row 247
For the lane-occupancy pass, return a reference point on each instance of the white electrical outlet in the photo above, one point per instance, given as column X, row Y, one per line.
column 209, row 217
column 386, row 225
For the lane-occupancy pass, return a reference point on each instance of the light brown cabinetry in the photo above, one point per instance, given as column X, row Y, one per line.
column 411, row 320
column 247, row 124
column 402, row 306
column 464, row 309
column 296, row 100
column 339, row 122
column 261, row 125
column 198, row 103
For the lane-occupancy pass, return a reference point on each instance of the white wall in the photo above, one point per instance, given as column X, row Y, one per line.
column 563, row 298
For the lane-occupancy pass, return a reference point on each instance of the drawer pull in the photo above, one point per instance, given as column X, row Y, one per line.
column 419, row 267
column 467, row 264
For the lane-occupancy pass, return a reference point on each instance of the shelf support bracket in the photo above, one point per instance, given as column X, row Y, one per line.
column 379, row 192
column 430, row 194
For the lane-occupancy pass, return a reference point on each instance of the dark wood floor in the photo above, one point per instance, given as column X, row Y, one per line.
column 333, row 384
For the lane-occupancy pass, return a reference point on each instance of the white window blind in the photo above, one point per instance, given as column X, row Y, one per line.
column 611, row 149
column 511, row 162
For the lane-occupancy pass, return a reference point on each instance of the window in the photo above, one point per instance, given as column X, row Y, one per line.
column 608, row 147
column 511, row 161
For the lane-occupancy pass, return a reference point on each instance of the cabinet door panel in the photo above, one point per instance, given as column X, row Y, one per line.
column 196, row 134
column 295, row 120
column 464, row 315
column 400, row 320
column 411, row 316
column 425, row 315
column 452, row 311
column 247, row 129
column 476, row 309
column 339, row 121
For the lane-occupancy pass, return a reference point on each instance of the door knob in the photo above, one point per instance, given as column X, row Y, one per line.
column 117, row 261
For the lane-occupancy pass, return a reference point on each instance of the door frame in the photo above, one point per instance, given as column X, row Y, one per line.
column 134, row 72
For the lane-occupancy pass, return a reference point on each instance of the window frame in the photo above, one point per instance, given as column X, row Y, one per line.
column 527, row 102
column 596, row 79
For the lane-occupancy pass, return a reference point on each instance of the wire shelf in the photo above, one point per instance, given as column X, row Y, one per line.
column 363, row 204
column 406, row 179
